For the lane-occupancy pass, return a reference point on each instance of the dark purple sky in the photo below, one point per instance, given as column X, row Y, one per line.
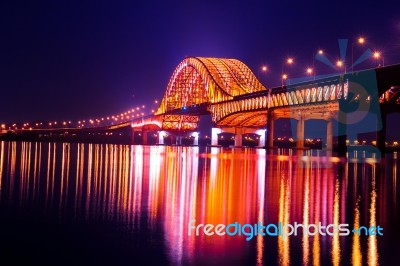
column 72, row 60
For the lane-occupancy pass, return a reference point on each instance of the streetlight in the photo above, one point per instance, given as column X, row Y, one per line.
column 288, row 61
column 377, row 55
column 263, row 69
column 340, row 64
column 360, row 41
column 310, row 71
column 284, row 78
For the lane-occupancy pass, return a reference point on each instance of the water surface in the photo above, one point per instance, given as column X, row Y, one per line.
column 75, row 204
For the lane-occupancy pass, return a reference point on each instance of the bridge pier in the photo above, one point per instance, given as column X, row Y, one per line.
column 261, row 141
column 161, row 137
column 238, row 136
column 178, row 140
column 300, row 132
column 196, row 138
column 381, row 135
column 144, row 137
column 329, row 134
column 270, row 130
column 214, row 135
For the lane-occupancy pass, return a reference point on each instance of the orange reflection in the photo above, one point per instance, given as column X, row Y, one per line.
column 306, row 213
column 172, row 185
column 284, row 210
column 356, row 257
column 336, row 244
column 372, row 240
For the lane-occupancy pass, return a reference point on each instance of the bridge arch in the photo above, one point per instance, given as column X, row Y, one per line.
column 198, row 80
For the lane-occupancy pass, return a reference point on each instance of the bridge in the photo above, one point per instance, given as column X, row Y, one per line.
column 238, row 103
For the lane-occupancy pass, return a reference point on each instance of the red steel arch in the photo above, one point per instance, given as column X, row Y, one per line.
column 198, row 80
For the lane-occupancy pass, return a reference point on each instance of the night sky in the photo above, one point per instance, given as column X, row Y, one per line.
column 73, row 60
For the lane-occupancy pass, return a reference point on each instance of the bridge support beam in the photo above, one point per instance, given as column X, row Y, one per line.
column 261, row 141
column 214, row 135
column 161, row 137
column 238, row 136
column 329, row 134
column 196, row 138
column 270, row 130
column 300, row 133
column 178, row 140
column 381, row 135
column 144, row 138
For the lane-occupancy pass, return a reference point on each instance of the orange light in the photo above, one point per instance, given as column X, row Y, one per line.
column 339, row 63
column 361, row 40
column 309, row 70
column 284, row 76
column 321, row 52
column 290, row 61
column 377, row 54
column 264, row 68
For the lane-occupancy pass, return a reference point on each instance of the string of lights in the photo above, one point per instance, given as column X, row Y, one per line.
column 127, row 115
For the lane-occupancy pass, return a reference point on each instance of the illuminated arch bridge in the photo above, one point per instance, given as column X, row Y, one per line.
column 199, row 82
column 229, row 91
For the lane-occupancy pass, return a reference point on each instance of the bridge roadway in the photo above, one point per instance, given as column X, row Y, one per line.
column 344, row 99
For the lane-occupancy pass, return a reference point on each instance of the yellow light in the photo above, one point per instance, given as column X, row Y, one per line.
column 320, row 51
column 264, row 68
column 309, row 70
column 284, row 76
column 290, row 60
column 3, row 126
column 377, row 54
column 339, row 63
column 361, row 40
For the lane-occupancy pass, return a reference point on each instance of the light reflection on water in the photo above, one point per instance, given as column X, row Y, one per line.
column 158, row 190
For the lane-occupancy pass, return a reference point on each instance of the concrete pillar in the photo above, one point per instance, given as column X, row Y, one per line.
column 381, row 135
column 300, row 132
column 270, row 130
column 178, row 140
column 214, row 135
column 261, row 141
column 144, row 137
column 329, row 135
column 133, row 137
column 196, row 138
column 238, row 136
column 161, row 137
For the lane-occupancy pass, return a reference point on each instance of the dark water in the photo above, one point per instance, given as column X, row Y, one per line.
column 76, row 204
